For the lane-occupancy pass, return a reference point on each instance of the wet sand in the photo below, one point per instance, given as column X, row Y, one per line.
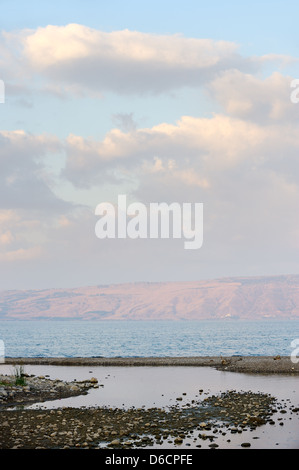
column 246, row 364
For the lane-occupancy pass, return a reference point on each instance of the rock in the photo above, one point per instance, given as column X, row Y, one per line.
column 93, row 380
column 59, row 385
column 178, row 440
column 128, row 443
column 234, row 430
column 256, row 420
column 115, row 442
column 245, row 444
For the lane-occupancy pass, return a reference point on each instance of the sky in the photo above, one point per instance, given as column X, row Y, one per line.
column 161, row 101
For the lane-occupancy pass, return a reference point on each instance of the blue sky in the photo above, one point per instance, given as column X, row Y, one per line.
column 258, row 26
column 151, row 16
column 161, row 100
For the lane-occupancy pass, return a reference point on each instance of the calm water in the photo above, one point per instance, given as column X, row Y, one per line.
column 147, row 338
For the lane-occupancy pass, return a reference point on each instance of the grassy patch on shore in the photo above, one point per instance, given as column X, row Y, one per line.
column 19, row 375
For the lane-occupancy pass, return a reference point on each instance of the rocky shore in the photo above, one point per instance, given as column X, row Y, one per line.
column 39, row 389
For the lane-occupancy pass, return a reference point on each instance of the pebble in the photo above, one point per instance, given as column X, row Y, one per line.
column 178, row 440
column 115, row 442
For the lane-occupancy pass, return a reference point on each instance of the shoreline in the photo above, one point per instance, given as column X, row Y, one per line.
column 243, row 364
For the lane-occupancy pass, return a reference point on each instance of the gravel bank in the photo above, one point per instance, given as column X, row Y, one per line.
column 246, row 364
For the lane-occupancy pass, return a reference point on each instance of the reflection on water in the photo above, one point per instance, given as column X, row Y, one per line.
column 147, row 387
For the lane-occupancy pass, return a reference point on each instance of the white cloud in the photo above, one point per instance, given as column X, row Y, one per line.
column 57, row 44
column 76, row 58
column 249, row 97
column 209, row 145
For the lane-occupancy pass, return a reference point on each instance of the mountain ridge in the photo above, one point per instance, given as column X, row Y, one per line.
column 255, row 297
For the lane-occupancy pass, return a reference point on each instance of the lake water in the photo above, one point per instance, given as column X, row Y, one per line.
column 73, row 338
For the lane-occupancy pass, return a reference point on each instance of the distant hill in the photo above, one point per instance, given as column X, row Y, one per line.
column 250, row 298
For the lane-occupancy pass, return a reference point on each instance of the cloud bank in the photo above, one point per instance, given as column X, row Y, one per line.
column 241, row 161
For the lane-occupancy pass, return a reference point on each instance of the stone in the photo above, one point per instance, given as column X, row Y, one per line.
column 178, row 440
column 128, row 443
column 115, row 442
